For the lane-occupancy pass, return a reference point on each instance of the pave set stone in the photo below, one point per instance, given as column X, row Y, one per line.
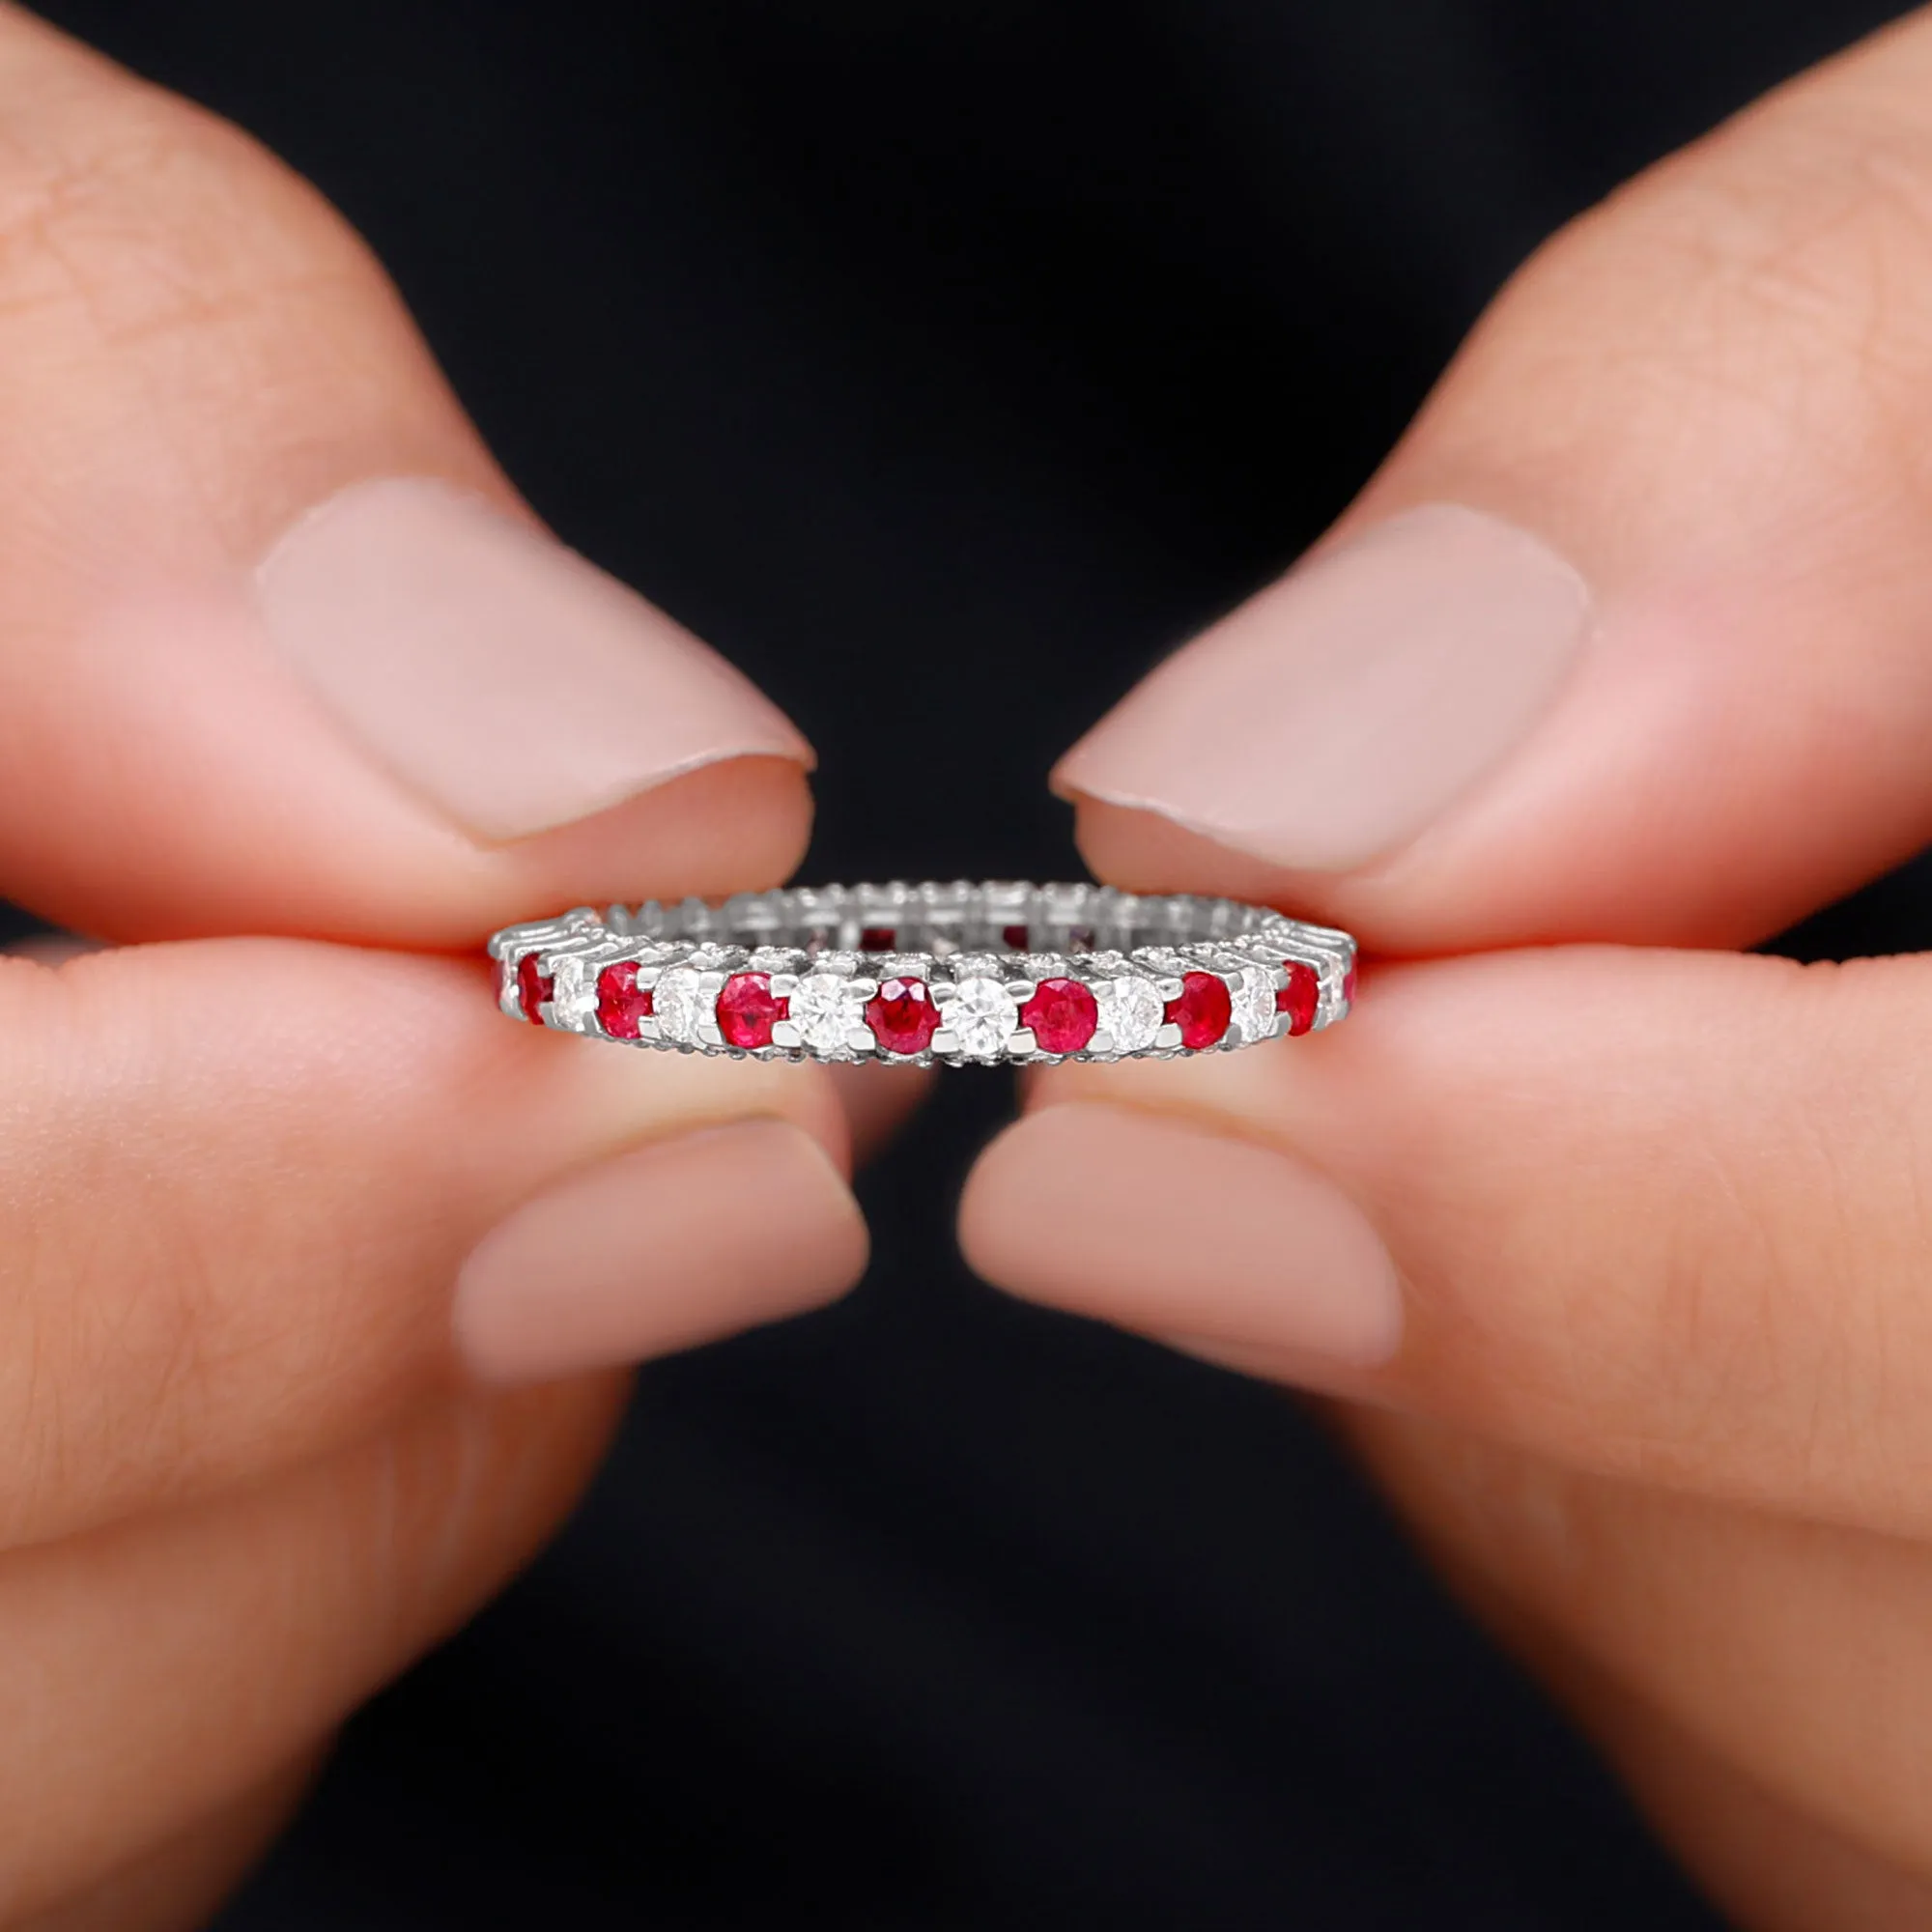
column 1132, row 1012
column 821, row 1012
column 747, row 1011
column 533, row 986
column 621, row 1003
column 678, row 1011
column 982, row 1016
column 901, row 1015
column 1063, row 1015
column 1299, row 998
column 689, row 978
column 1203, row 1012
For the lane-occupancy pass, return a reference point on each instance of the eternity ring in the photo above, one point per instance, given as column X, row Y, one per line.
column 952, row 973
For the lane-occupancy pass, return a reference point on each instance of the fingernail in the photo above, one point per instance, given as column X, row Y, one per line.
column 494, row 671
column 1332, row 718
column 1161, row 1228
column 671, row 1244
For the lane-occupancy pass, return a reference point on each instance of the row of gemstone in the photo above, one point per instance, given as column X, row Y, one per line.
column 902, row 1017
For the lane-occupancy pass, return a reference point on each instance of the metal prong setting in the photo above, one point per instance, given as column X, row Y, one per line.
column 800, row 973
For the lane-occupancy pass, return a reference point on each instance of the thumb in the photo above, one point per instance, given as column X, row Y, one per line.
column 280, row 651
column 1627, row 640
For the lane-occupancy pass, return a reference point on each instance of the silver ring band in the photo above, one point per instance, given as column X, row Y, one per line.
column 952, row 973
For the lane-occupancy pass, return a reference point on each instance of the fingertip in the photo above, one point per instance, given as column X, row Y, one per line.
column 392, row 877
column 877, row 1100
column 739, row 824
column 675, row 1243
column 407, row 609
column 1142, row 851
column 296, row 628
column 1162, row 1227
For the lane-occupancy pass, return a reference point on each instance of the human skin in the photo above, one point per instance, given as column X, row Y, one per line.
column 317, row 1277
column 1604, row 1242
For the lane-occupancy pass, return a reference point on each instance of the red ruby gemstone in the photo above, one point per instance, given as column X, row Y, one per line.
column 533, row 987
column 621, row 1003
column 1013, row 938
column 1062, row 1014
column 878, row 939
column 1297, row 998
column 1202, row 1010
column 747, row 1009
column 902, row 1017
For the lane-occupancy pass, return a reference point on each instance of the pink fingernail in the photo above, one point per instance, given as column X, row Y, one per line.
column 1332, row 718
column 1158, row 1227
column 671, row 1244
column 495, row 672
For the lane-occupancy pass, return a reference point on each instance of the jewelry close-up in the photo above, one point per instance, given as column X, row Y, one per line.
column 952, row 973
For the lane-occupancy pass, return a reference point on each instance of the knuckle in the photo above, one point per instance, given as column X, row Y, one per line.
column 1761, row 303
column 1817, row 250
column 139, row 213
column 1790, row 1246
column 164, row 279
column 178, row 1307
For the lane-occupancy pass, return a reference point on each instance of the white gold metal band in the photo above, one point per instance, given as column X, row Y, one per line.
column 952, row 973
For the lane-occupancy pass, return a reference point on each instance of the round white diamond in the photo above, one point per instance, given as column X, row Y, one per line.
column 821, row 1010
column 1132, row 1011
column 1254, row 1004
column 677, row 1005
column 573, row 995
column 980, row 1015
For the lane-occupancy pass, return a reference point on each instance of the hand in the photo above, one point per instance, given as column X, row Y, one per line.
column 314, row 1270
column 1616, row 1253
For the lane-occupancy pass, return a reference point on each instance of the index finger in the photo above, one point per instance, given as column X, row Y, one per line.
column 1627, row 640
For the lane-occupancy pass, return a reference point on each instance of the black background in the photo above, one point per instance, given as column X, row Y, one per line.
column 944, row 363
